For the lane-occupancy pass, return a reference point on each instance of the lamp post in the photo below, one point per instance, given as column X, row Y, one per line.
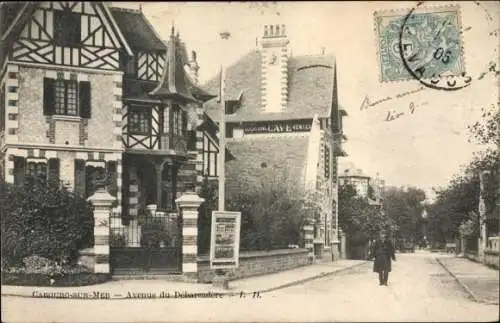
column 222, row 130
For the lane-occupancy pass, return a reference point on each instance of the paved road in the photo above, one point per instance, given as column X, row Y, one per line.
column 419, row 290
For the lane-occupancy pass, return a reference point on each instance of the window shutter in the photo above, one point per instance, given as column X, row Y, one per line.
column 19, row 170
column 111, row 178
column 53, row 171
column 80, row 177
column 191, row 140
column 85, row 102
column 48, row 96
column 125, row 196
column 184, row 122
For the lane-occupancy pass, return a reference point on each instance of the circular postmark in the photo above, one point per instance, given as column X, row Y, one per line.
column 430, row 47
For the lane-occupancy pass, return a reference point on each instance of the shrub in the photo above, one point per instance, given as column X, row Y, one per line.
column 43, row 220
column 36, row 263
column 272, row 214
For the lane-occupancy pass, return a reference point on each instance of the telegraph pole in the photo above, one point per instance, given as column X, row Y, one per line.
column 222, row 132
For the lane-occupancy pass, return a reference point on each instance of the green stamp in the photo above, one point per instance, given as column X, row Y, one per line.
column 423, row 44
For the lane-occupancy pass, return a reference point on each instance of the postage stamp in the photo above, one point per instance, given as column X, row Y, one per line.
column 421, row 43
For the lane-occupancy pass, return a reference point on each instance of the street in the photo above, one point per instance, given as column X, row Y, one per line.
column 419, row 290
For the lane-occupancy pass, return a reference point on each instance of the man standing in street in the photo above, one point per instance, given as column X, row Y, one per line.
column 383, row 252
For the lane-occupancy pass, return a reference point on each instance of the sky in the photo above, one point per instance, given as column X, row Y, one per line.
column 423, row 149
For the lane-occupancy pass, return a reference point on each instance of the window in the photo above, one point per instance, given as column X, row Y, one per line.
column 2, row 110
column 179, row 120
column 139, row 120
column 67, row 28
column 327, row 162
column 43, row 171
column 66, row 97
column 166, row 120
column 36, row 170
column 210, row 152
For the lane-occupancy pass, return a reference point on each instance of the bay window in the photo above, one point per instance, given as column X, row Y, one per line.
column 210, row 152
column 139, row 120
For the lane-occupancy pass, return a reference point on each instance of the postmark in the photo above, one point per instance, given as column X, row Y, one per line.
column 423, row 43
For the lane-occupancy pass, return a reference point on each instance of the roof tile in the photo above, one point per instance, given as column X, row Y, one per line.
column 310, row 88
column 137, row 30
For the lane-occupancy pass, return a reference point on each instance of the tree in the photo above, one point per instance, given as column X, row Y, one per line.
column 272, row 212
column 404, row 208
column 455, row 210
column 486, row 133
column 453, row 206
column 357, row 218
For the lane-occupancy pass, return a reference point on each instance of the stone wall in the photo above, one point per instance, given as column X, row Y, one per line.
column 100, row 131
column 492, row 258
column 492, row 252
column 255, row 263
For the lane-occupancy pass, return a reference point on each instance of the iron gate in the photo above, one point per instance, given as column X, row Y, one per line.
column 150, row 244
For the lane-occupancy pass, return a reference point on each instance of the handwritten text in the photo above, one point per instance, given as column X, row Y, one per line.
column 368, row 103
column 393, row 115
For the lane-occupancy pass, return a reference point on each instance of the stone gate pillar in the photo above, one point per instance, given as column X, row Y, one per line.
column 102, row 201
column 343, row 249
column 188, row 205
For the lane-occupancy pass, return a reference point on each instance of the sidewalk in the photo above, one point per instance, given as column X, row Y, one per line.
column 481, row 282
column 120, row 289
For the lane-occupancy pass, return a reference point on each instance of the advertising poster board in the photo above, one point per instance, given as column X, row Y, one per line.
column 225, row 240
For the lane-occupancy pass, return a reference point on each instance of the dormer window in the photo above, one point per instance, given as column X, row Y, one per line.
column 67, row 28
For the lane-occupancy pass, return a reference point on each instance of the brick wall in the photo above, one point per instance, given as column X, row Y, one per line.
column 274, row 157
column 255, row 263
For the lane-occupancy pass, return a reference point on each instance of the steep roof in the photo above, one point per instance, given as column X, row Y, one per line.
column 281, row 158
column 175, row 82
column 13, row 15
column 9, row 11
column 347, row 169
column 310, row 88
column 137, row 30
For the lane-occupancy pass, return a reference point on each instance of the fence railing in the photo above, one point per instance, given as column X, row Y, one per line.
column 493, row 244
column 158, row 229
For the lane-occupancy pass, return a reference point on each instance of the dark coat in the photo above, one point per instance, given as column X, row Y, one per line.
column 383, row 252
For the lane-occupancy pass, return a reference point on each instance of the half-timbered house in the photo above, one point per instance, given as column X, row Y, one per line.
column 91, row 92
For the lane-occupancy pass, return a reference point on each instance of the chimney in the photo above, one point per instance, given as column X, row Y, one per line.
column 274, row 68
column 193, row 64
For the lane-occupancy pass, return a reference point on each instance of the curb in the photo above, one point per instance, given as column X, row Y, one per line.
column 236, row 293
column 308, row 279
column 469, row 291
column 301, row 281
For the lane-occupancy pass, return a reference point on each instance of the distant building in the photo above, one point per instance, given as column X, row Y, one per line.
column 366, row 186
column 283, row 116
